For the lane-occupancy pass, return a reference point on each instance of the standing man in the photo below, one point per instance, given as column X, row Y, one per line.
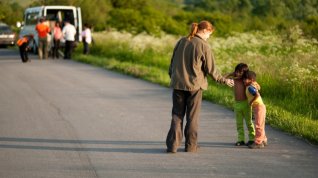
column 69, row 33
column 43, row 29
column 87, row 38
column 192, row 61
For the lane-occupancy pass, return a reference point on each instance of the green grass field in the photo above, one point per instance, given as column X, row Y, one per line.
column 287, row 69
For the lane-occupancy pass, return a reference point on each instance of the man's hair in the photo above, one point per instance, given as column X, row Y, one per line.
column 250, row 75
column 42, row 19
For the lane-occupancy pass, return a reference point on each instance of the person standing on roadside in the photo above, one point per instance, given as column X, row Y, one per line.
column 87, row 38
column 23, row 44
column 69, row 33
column 57, row 35
column 43, row 29
column 192, row 61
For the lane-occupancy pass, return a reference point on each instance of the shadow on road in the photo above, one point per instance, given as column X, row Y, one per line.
column 13, row 54
column 81, row 145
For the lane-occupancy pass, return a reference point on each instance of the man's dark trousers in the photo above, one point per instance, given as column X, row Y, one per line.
column 184, row 103
column 68, row 49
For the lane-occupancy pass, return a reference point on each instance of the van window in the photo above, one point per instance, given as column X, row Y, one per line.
column 60, row 15
column 31, row 18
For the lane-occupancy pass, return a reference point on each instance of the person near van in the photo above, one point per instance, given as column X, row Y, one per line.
column 69, row 33
column 43, row 29
column 57, row 35
column 192, row 61
column 87, row 38
column 23, row 44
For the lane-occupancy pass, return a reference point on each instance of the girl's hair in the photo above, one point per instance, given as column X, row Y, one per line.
column 241, row 67
column 195, row 27
column 250, row 75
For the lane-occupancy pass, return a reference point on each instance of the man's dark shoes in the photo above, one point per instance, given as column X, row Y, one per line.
column 240, row 143
column 171, row 151
column 193, row 149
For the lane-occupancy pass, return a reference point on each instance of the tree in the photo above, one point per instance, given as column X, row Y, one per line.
column 129, row 4
column 95, row 12
column 10, row 13
column 174, row 16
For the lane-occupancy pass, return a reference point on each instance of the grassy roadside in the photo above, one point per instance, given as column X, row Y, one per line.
column 285, row 99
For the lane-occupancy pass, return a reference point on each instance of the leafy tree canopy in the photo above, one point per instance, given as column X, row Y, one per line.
column 175, row 16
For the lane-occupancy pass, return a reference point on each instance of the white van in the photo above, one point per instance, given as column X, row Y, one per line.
column 52, row 14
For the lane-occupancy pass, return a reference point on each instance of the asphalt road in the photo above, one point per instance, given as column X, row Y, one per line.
column 64, row 119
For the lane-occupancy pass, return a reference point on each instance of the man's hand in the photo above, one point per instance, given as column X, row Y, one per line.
column 229, row 82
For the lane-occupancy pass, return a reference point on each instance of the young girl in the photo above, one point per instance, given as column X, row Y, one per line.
column 241, row 107
column 57, row 39
column 258, row 107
